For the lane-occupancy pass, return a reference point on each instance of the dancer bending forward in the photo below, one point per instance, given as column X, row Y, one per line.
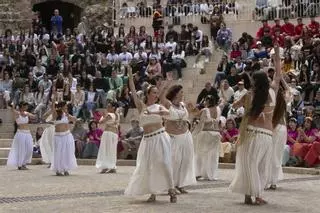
column 107, row 155
column 64, row 158
column 181, row 139
column 22, row 146
column 207, row 140
column 254, row 151
column 153, row 173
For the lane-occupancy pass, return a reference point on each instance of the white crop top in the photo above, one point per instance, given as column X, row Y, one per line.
column 22, row 119
column 146, row 118
column 113, row 121
column 64, row 120
column 178, row 113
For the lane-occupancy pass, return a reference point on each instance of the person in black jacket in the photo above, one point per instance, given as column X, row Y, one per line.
column 102, row 87
column 172, row 34
column 208, row 90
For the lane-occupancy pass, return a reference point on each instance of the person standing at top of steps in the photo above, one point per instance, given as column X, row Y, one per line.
column 22, row 146
column 157, row 21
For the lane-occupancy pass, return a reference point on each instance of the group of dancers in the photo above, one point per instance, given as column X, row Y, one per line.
column 170, row 157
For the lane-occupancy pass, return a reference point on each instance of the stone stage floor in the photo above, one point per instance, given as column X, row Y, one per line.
column 87, row 191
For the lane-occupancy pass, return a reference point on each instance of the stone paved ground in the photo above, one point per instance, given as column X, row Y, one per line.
column 86, row 191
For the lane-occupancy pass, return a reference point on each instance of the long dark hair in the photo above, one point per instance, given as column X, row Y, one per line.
column 147, row 92
column 173, row 91
column 260, row 93
column 280, row 108
column 59, row 109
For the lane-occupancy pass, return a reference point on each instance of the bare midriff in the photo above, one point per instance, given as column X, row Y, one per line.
column 265, row 121
column 175, row 127
column 62, row 127
column 23, row 126
column 149, row 128
column 111, row 129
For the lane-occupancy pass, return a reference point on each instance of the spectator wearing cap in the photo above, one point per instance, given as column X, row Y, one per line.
column 260, row 51
column 262, row 29
column 288, row 28
column 298, row 29
column 172, row 34
column 314, row 27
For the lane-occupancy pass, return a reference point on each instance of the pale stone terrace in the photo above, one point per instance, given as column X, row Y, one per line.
column 38, row 190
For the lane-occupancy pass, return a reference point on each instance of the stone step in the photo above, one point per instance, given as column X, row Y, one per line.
column 6, row 116
column 6, row 135
column 5, row 143
column 4, row 152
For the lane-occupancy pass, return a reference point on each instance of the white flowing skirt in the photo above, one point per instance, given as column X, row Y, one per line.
column 21, row 149
column 253, row 162
column 207, row 149
column 46, row 144
column 153, row 173
column 64, row 158
column 183, row 160
column 279, row 140
column 107, row 155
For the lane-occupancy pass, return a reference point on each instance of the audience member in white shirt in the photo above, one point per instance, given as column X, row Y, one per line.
column 141, row 55
column 171, row 44
column 38, row 70
column 125, row 57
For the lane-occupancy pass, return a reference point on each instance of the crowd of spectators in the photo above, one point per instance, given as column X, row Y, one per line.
column 300, row 53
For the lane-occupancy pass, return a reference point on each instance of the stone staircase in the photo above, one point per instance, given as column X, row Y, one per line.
column 193, row 81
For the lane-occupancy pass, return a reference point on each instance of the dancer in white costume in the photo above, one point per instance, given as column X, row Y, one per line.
column 107, row 155
column 207, row 140
column 46, row 140
column 22, row 146
column 254, row 151
column 181, row 139
column 64, row 158
column 153, row 173
column 279, row 135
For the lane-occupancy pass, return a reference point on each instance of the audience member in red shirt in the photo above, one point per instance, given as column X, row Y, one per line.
column 298, row 29
column 288, row 28
column 314, row 26
column 276, row 26
column 278, row 38
column 262, row 29
column 235, row 52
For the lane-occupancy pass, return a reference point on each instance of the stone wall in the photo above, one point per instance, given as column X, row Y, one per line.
column 17, row 14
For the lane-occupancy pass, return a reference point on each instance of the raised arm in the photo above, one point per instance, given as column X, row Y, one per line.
column 277, row 63
column 136, row 100
column 162, row 95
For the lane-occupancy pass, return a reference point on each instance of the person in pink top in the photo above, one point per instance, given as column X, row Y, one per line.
column 229, row 139
column 307, row 135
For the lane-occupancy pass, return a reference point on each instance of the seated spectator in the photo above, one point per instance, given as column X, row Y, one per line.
column 314, row 27
column 298, row 29
column 266, row 39
column 28, row 97
column 292, row 139
column 125, row 100
column 287, row 28
column 92, row 144
column 41, row 102
column 171, row 34
column 262, row 29
column 260, row 51
column 115, row 86
column 276, row 27
column 132, row 140
column 171, row 44
column 233, row 78
column 235, row 51
column 77, row 100
column 154, row 68
column 307, row 135
column 6, row 88
column 223, row 70
column 102, row 87
column 229, row 138
column 79, row 135
column 224, row 38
